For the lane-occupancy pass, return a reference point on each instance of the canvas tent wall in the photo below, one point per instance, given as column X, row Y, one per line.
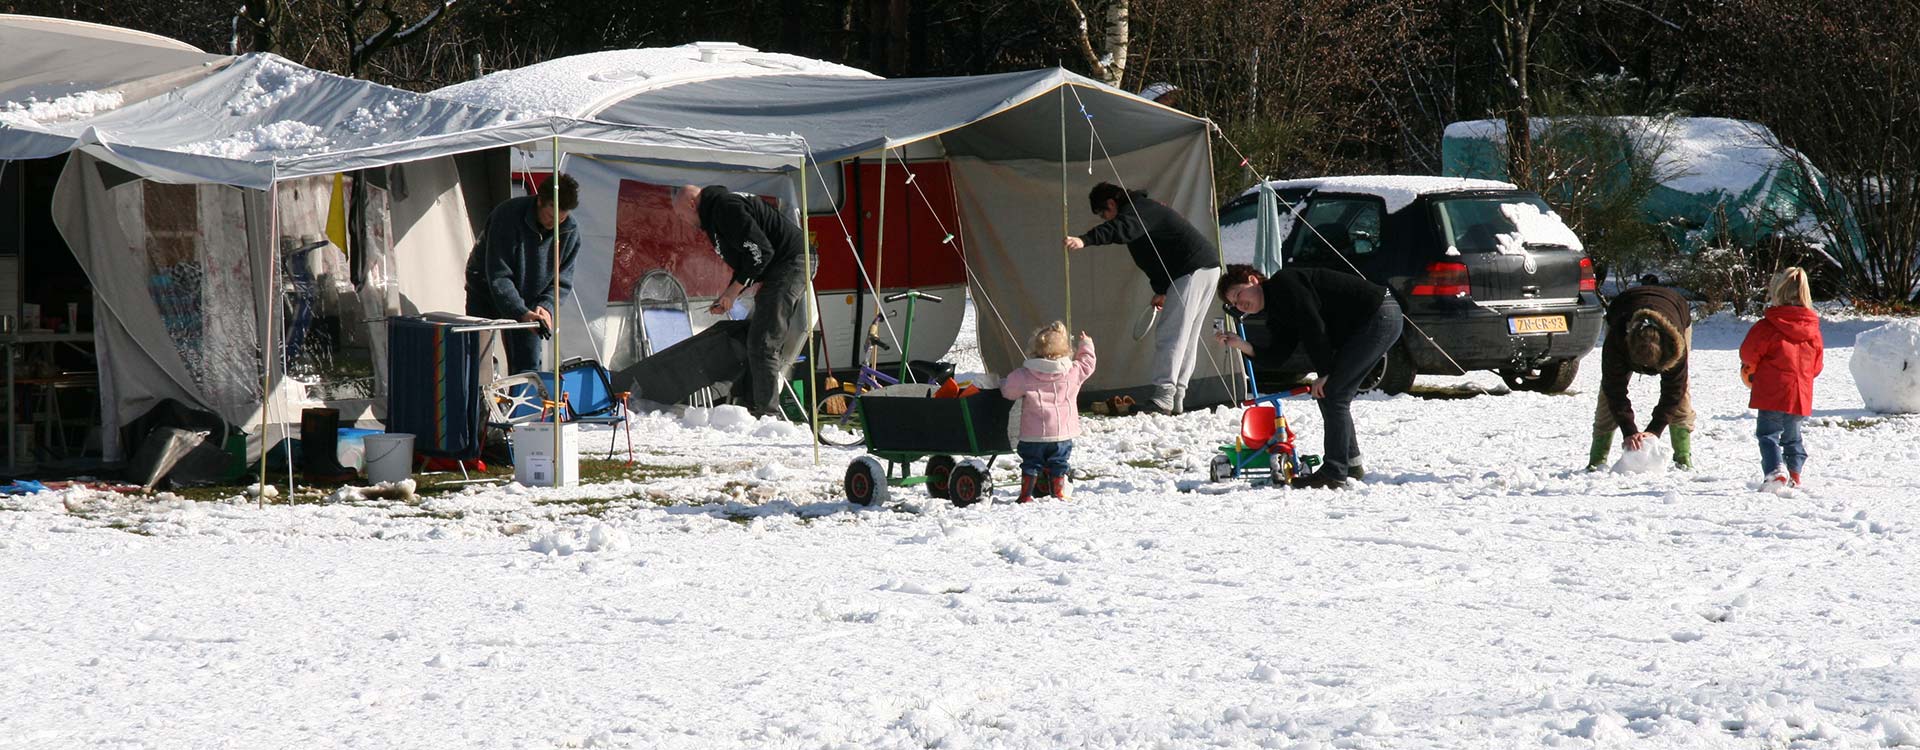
column 1021, row 152
column 189, row 279
column 1719, row 180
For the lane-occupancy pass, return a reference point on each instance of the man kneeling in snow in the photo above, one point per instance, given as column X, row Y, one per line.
column 1649, row 331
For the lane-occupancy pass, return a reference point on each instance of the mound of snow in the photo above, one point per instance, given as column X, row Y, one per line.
column 596, row 538
column 696, row 416
column 731, row 418
column 1886, row 367
column 1652, row 458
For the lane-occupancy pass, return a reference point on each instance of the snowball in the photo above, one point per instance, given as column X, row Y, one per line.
column 730, row 418
column 1652, row 458
column 775, row 428
column 695, row 416
column 1886, row 367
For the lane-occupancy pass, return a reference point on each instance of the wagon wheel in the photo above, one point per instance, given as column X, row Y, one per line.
column 938, row 469
column 840, row 423
column 1281, row 468
column 866, row 481
column 1220, row 469
column 967, row 485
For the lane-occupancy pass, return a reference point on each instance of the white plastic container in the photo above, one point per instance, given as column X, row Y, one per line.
column 389, row 456
column 534, row 463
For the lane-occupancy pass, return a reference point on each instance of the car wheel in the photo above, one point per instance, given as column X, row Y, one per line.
column 866, row 481
column 1553, row 377
column 1394, row 375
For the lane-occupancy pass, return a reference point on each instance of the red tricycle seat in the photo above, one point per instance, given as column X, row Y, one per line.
column 1256, row 426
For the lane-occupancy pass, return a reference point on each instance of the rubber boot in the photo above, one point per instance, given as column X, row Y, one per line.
column 1026, row 487
column 1355, row 472
column 1597, row 455
column 1682, row 438
column 1059, row 487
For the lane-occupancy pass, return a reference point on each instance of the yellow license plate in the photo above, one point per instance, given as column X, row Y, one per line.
column 1538, row 324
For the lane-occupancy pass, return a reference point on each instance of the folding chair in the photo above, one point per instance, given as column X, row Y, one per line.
column 661, row 317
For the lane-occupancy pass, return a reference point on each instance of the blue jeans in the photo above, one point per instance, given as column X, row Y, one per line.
column 1049, row 456
column 1779, row 434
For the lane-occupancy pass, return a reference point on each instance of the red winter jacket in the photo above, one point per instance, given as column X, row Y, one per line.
column 1784, row 352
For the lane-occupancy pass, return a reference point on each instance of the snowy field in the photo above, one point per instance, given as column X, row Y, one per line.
column 1476, row 592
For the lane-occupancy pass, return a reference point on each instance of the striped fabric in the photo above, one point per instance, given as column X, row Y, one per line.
column 433, row 389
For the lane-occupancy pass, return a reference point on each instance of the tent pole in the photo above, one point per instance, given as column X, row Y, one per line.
column 553, row 191
column 809, row 411
column 266, row 351
column 1066, row 258
column 879, row 275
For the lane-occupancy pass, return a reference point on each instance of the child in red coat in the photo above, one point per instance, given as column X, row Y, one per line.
column 1779, row 359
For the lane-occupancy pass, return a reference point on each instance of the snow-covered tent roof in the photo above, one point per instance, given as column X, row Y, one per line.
column 48, row 60
column 1397, row 190
column 264, row 118
column 840, row 111
column 582, row 85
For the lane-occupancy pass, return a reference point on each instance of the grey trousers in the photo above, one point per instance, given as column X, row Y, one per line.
column 776, row 332
column 1352, row 360
column 1182, row 320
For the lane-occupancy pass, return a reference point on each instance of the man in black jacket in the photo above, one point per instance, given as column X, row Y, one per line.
column 762, row 246
column 510, row 273
column 1346, row 324
column 1181, row 265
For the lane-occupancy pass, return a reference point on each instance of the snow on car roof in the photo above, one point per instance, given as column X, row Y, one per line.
column 1397, row 190
column 582, row 85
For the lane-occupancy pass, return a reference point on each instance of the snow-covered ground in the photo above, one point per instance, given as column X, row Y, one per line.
column 1476, row 592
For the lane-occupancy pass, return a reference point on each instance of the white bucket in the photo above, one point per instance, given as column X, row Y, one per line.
column 389, row 457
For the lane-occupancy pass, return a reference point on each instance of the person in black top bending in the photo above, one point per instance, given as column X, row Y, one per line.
column 1346, row 324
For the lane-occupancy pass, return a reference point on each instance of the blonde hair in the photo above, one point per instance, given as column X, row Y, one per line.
column 1049, row 342
column 1789, row 287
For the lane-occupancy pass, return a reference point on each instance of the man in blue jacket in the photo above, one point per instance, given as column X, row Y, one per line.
column 510, row 273
column 763, row 246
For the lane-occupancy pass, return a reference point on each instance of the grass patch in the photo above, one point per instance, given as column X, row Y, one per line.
column 1860, row 423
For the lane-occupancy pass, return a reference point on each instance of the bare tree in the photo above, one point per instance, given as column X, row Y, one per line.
column 1111, row 67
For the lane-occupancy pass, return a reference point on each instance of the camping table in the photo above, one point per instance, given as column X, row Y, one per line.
column 23, row 340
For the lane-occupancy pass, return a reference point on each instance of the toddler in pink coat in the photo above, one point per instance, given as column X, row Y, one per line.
column 1048, row 389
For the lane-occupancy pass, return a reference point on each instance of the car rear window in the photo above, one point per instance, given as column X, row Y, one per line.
column 1504, row 224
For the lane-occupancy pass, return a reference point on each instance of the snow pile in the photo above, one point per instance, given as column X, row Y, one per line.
column 365, row 120
column 1886, row 367
column 70, row 107
column 731, row 418
column 275, row 80
column 1652, row 458
column 285, row 135
column 597, row 537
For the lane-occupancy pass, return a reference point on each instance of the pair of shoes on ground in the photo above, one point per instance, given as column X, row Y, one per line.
column 1782, row 480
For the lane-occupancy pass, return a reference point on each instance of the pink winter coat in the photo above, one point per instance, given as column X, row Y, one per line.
column 1049, row 395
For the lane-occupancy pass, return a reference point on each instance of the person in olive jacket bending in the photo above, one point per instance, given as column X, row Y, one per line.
column 1650, row 332
column 1346, row 324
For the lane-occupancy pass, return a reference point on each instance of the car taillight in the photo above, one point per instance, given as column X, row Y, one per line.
column 1443, row 280
column 1587, row 282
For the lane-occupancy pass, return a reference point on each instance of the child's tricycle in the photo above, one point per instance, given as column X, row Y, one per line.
column 1266, row 441
column 903, row 429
